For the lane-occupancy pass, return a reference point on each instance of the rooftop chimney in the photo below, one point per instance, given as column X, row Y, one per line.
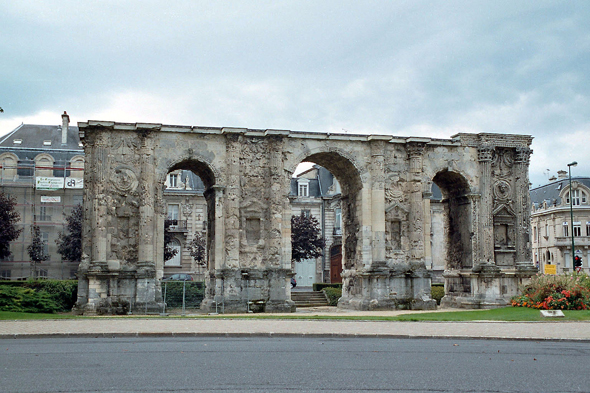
column 65, row 122
column 562, row 174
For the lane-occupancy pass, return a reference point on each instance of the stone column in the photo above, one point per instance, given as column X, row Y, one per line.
column 378, row 200
column 522, row 206
column 147, row 218
column 476, row 249
column 276, row 198
column 219, row 250
column 485, row 154
column 147, row 287
column 100, row 164
column 233, row 195
column 416, row 216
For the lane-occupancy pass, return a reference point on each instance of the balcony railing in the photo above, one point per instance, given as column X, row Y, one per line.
column 337, row 231
column 176, row 225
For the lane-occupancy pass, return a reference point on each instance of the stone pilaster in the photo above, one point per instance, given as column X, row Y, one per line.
column 416, row 216
column 219, row 245
column 147, row 197
column 276, row 198
column 232, row 205
column 522, row 207
column 485, row 154
column 378, row 200
column 100, row 164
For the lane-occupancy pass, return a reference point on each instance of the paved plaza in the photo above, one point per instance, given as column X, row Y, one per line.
column 235, row 326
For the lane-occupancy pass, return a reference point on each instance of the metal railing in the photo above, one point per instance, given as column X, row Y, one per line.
column 176, row 225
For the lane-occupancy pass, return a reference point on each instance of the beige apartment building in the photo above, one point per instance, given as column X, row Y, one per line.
column 552, row 227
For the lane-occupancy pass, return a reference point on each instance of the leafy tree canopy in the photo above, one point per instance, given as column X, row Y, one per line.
column 8, row 218
column 197, row 248
column 36, row 249
column 69, row 244
column 306, row 238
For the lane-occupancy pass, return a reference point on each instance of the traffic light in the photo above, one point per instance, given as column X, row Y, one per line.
column 578, row 261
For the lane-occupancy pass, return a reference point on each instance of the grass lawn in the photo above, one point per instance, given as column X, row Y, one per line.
column 499, row 314
column 9, row 315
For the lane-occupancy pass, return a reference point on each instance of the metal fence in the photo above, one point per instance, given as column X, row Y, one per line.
column 182, row 295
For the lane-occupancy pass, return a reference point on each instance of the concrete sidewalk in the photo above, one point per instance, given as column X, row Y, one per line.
column 194, row 327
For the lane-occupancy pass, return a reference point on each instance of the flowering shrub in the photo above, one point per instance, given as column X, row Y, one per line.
column 556, row 292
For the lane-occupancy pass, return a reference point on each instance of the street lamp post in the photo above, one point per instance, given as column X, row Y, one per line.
column 569, row 167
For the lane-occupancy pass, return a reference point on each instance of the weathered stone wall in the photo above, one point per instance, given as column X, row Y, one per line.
column 385, row 183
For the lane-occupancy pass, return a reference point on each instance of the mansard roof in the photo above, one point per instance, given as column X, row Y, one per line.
column 550, row 192
column 31, row 140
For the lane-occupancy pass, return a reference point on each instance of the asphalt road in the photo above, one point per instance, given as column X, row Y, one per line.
column 292, row 364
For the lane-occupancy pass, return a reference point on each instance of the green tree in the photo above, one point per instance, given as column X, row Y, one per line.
column 8, row 219
column 306, row 238
column 36, row 250
column 69, row 244
column 197, row 248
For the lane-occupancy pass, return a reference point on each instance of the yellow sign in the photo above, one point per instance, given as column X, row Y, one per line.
column 550, row 269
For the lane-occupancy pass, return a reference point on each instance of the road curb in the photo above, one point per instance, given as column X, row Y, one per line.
column 280, row 335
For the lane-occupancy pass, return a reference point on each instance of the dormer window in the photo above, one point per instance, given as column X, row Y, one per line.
column 578, row 197
column 173, row 181
column 46, row 143
column 303, row 187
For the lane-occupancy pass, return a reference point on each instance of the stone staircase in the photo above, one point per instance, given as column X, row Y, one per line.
column 309, row 299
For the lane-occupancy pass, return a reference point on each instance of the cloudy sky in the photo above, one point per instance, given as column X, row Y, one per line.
column 408, row 68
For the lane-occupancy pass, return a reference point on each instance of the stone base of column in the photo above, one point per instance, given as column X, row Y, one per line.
column 485, row 286
column 381, row 287
column 115, row 288
column 248, row 290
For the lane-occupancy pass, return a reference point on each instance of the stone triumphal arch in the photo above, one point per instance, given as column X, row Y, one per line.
column 386, row 184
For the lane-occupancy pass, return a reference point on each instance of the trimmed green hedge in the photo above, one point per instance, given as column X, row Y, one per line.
column 333, row 295
column 318, row 286
column 38, row 295
column 20, row 299
column 437, row 292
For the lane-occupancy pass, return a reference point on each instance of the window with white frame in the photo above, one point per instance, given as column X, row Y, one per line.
column 44, row 213
column 565, row 229
column 535, row 234
column 546, row 230
column 578, row 197
column 338, row 221
column 45, row 239
column 577, row 229
column 303, row 188
column 173, row 180
column 173, row 210
column 175, row 260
